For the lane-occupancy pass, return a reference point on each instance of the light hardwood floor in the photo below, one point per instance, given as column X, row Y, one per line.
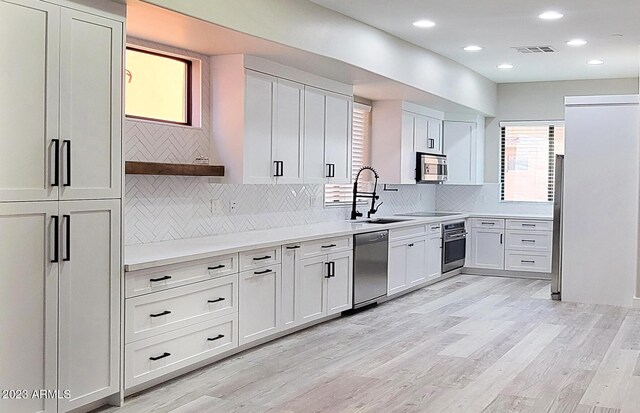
column 468, row 344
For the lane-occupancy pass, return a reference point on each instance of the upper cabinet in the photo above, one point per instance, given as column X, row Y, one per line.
column 62, row 129
column 464, row 147
column 275, row 128
column 400, row 129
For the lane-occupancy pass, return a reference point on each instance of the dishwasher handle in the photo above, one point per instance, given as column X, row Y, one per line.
column 371, row 237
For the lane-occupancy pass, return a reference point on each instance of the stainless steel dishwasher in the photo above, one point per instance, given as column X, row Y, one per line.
column 370, row 267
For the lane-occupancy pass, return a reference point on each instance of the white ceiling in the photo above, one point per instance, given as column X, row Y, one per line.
column 499, row 25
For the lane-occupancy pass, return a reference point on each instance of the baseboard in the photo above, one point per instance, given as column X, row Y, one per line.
column 504, row 273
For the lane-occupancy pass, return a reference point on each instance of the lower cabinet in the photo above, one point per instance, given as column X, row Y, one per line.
column 412, row 262
column 339, row 285
column 434, row 257
column 487, row 248
column 260, row 303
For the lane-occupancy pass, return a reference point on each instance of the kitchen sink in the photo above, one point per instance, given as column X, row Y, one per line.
column 385, row 220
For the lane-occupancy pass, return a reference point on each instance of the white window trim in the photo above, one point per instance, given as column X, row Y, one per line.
column 499, row 166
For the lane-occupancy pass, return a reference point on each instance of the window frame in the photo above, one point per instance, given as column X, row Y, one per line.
column 189, row 86
column 502, row 158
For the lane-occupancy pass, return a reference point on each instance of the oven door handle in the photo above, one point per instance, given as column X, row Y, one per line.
column 455, row 237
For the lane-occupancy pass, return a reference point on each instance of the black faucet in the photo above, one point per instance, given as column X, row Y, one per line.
column 356, row 194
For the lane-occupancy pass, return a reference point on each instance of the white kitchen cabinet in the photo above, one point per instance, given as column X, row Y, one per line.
column 397, row 279
column 290, row 267
column 262, row 123
column 340, row 284
column 487, row 248
column 260, row 303
column 89, row 293
column 29, row 309
column 434, row 257
column 416, row 261
column 464, row 148
column 63, row 129
column 408, row 263
column 399, row 130
column 327, row 137
column 311, row 292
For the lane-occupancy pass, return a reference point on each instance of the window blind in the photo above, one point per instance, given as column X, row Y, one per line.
column 335, row 194
column 527, row 159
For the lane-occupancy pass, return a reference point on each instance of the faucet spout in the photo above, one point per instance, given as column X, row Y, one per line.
column 356, row 194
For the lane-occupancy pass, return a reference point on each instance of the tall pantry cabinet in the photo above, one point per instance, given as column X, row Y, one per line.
column 60, row 202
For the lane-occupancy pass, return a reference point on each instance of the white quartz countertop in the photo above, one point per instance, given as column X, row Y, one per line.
column 144, row 256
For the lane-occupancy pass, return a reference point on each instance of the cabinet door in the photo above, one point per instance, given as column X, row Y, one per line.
column 89, row 324
column 487, row 248
column 338, row 138
column 340, row 285
column 287, row 142
column 434, row 135
column 416, row 261
column 315, row 170
column 460, row 149
column 420, row 134
column 90, row 106
column 260, row 303
column 29, row 86
column 397, row 277
column 258, row 128
column 29, row 308
column 408, row 154
column 290, row 267
column 434, row 257
column 311, row 294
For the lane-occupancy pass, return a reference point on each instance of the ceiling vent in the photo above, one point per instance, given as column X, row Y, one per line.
column 535, row 49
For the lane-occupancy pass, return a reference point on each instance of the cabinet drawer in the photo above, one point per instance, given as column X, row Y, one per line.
column 155, row 356
column 158, row 313
column 158, row 279
column 405, row 233
column 528, row 261
column 529, row 225
column 487, row 223
column 325, row 246
column 529, row 241
column 433, row 229
column 250, row 260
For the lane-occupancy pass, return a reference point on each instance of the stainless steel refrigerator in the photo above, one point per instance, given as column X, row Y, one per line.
column 556, row 258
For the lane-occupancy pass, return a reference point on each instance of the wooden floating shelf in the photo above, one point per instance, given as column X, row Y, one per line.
column 156, row 168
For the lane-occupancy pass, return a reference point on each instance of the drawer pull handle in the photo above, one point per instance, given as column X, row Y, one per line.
column 262, row 272
column 160, row 314
column 218, row 337
column 295, row 247
column 529, row 240
column 160, row 357
column 527, row 261
column 166, row 277
column 217, row 300
column 488, row 223
column 528, row 225
column 266, row 257
column 217, row 267
column 329, row 246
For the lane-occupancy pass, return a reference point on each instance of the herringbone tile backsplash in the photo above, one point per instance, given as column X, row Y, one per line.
column 484, row 198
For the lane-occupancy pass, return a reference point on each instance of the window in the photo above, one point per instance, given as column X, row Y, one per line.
column 527, row 163
column 158, row 87
column 360, row 149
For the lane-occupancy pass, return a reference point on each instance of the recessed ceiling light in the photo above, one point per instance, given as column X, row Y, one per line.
column 551, row 15
column 424, row 23
column 595, row 62
column 472, row 48
column 576, row 42
column 505, row 66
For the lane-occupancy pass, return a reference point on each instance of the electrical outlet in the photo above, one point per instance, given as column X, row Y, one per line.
column 233, row 207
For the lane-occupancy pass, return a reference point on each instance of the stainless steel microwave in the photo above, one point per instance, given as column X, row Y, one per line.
column 431, row 168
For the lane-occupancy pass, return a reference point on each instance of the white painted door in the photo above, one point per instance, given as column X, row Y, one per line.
column 339, row 112
column 397, row 277
column 408, row 154
column 434, row 135
column 487, row 248
column 260, row 303
column 340, row 283
column 290, row 267
column 420, row 133
column 315, row 169
column 29, row 86
column 90, row 106
column 416, row 262
column 460, row 150
column 311, row 291
column 259, row 128
column 29, row 307
column 434, row 257
column 288, row 138
column 89, row 324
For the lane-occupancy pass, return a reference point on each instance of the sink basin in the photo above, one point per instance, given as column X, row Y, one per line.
column 385, row 220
